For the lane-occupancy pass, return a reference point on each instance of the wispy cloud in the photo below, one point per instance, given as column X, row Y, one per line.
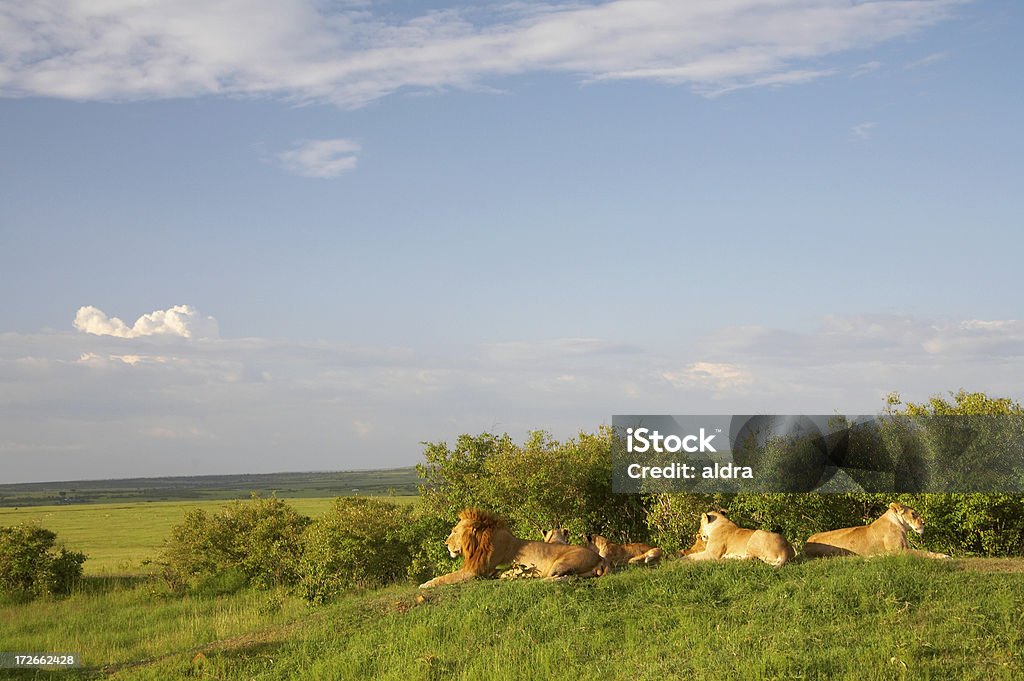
column 927, row 60
column 865, row 68
column 322, row 159
column 863, row 130
column 350, row 54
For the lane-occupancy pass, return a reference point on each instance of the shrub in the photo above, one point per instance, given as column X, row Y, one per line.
column 261, row 539
column 430, row 556
column 359, row 543
column 542, row 484
column 30, row 564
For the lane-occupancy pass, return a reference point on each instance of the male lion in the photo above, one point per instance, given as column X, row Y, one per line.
column 724, row 539
column 623, row 554
column 485, row 543
column 888, row 534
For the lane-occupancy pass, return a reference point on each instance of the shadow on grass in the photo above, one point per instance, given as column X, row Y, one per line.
column 106, row 583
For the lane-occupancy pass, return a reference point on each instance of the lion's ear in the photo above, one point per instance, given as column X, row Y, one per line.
column 896, row 507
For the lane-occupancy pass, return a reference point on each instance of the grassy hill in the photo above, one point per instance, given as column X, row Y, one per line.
column 889, row 618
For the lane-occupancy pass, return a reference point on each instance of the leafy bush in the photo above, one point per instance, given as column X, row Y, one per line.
column 542, row 484
column 430, row 556
column 360, row 542
column 261, row 539
column 30, row 565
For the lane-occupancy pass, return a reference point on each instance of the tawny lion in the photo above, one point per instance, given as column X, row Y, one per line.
column 698, row 545
column 557, row 535
column 888, row 534
column 623, row 554
column 485, row 543
column 724, row 539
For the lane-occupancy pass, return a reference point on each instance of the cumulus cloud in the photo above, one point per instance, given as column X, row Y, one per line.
column 323, row 159
column 350, row 54
column 183, row 321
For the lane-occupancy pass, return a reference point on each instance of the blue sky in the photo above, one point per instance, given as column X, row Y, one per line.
column 409, row 221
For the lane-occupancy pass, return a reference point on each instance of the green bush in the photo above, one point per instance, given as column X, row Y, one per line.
column 430, row 556
column 359, row 543
column 31, row 565
column 541, row 484
column 261, row 539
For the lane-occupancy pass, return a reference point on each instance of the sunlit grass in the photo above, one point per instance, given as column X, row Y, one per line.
column 119, row 538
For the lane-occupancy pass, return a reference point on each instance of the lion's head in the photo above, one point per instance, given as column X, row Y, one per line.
column 907, row 517
column 707, row 520
column 473, row 538
column 558, row 535
column 597, row 543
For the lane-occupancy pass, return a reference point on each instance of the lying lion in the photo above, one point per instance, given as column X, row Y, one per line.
column 557, row 535
column 724, row 539
column 888, row 534
column 698, row 545
column 485, row 543
column 623, row 554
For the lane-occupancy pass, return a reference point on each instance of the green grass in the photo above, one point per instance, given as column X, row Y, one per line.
column 118, row 538
column 887, row 618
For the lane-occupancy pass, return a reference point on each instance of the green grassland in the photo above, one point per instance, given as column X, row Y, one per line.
column 401, row 481
column 886, row 618
column 119, row 538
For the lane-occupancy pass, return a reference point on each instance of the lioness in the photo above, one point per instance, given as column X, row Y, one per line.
column 485, row 543
column 888, row 534
column 724, row 539
column 558, row 535
column 623, row 554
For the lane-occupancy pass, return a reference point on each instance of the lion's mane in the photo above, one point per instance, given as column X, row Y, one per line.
column 479, row 528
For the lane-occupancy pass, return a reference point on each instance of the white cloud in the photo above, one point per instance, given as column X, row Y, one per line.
column 183, row 321
column 349, row 54
column 863, row 130
column 321, row 158
column 720, row 377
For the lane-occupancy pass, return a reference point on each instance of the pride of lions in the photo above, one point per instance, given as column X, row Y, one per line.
column 486, row 545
